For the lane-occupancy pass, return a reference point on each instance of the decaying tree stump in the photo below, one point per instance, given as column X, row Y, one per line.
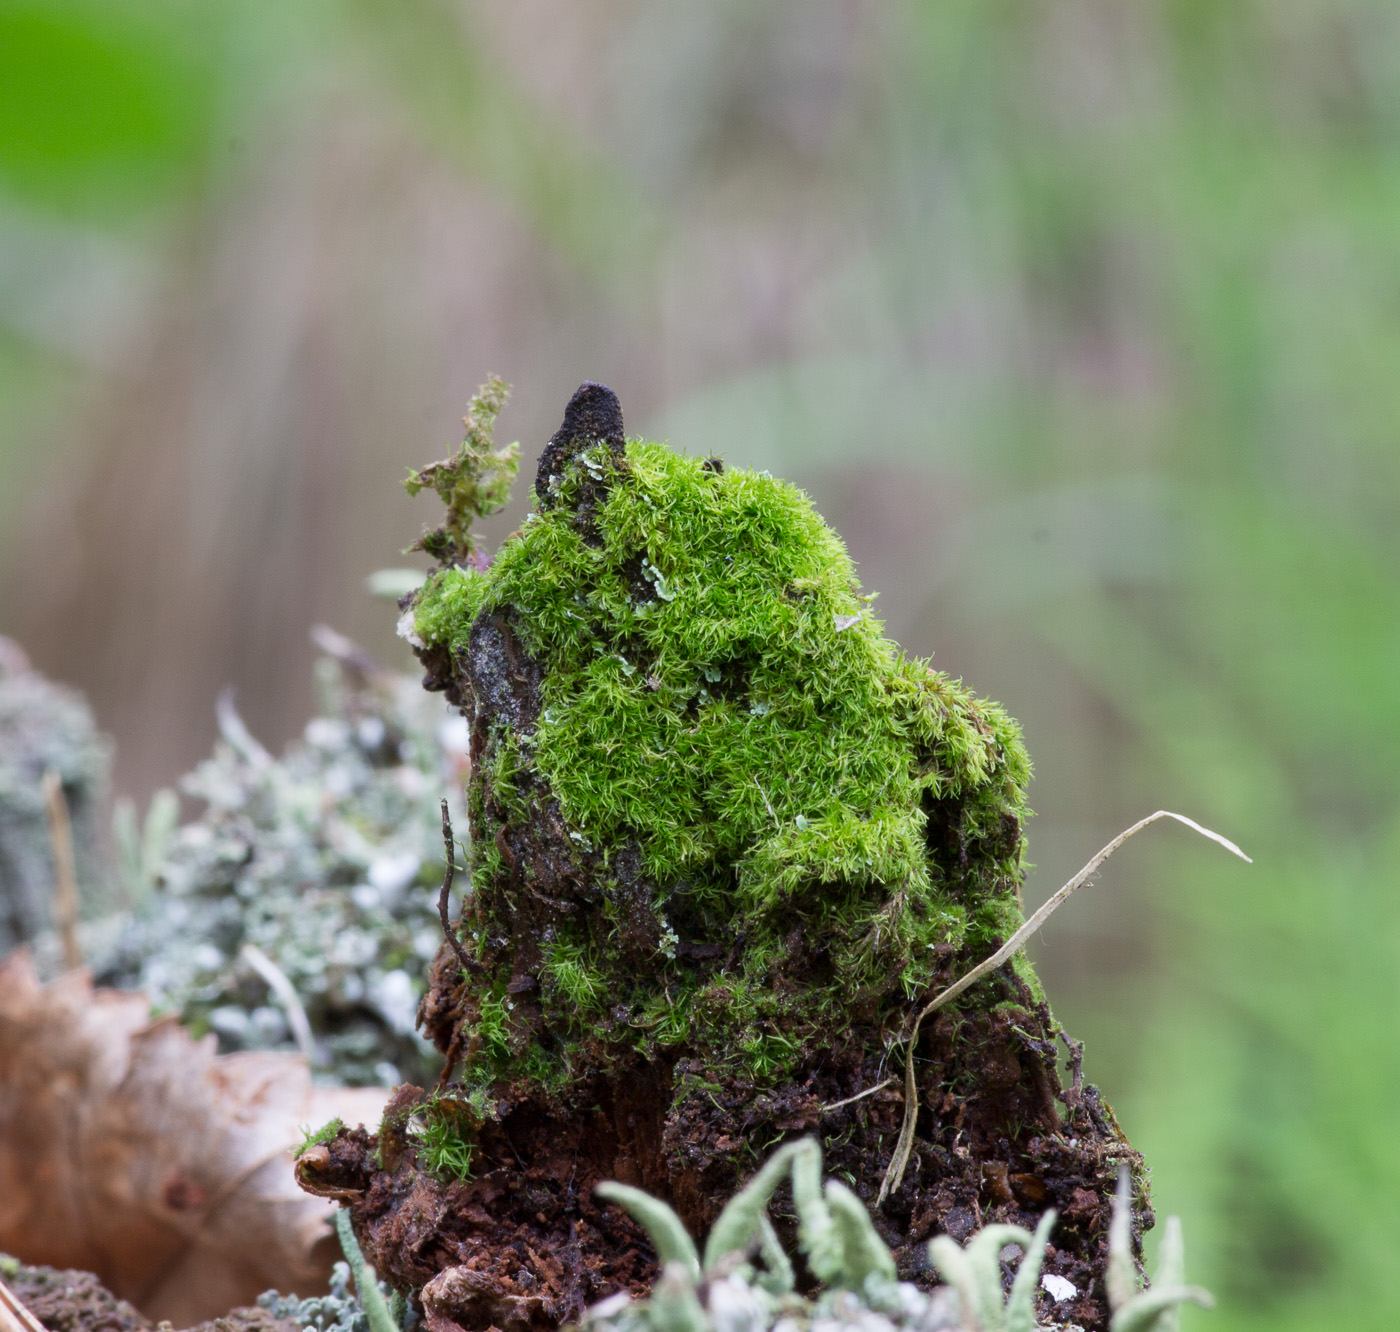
column 726, row 839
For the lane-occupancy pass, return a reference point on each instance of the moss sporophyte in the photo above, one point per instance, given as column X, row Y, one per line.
column 725, row 838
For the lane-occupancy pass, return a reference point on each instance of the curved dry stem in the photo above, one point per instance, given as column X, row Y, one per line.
column 894, row 1175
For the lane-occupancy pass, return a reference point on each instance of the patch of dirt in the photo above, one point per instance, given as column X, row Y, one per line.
column 525, row 1246
column 992, row 1145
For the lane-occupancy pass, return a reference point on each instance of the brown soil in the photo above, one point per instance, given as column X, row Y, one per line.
column 71, row 1301
column 524, row 1244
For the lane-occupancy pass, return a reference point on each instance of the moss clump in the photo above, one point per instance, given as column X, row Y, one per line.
column 730, row 749
column 472, row 483
column 725, row 839
column 443, row 1132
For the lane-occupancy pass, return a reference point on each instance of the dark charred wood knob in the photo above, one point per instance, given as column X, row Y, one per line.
column 593, row 416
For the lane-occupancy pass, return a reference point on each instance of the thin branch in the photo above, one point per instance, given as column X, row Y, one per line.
column 236, row 733
column 1073, row 1098
column 345, row 652
column 894, row 1176
column 450, row 849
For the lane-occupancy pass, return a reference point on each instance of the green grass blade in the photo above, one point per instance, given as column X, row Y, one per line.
column 817, row 1234
column 1120, row 1278
column 984, row 1256
column 1145, row 1312
column 674, row 1305
column 779, row 1278
column 953, row 1265
column 737, row 1225
column 1171, row 1271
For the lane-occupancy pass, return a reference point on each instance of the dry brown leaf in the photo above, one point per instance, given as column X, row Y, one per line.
column 132, row 1150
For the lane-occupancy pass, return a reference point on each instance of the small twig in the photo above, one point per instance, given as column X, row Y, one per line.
column 859, row 1096
column 894, row 1176
column 1075, row 1096
column 281, row 986
column 450, row 1059
column 450, row 849
column 345, row 651
column 65, row 891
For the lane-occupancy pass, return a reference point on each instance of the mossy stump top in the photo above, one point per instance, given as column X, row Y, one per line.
column 725, row 839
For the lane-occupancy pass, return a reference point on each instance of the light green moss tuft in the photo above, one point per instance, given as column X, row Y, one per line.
column 315, row 1137
column 446, row 605
column 442, row 1132
column 718, row 690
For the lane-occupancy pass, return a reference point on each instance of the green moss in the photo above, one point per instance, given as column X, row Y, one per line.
column 442, row 1132
column 715, row 692
column 493, row 1026
column 717, row 688
column 313, row 1138
column 446, row 605
column 441, row 1129
column 567, row 968
column 472, row 483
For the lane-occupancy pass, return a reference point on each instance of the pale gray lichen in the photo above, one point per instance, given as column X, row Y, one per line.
column 745, row 1281
column 336, row 1311
column 326, row 861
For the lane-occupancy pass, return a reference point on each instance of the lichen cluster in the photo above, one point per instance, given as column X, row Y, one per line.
column 763, row 818
column 325, row 860
column 339, row 1310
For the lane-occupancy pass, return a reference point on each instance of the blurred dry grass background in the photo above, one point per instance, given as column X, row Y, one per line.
column 1080, row 321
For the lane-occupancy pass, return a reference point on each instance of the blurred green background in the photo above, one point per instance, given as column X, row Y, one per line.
column 1080, row 320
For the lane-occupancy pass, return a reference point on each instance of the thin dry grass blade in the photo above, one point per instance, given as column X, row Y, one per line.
column 65, row 895
column 894, row 1176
